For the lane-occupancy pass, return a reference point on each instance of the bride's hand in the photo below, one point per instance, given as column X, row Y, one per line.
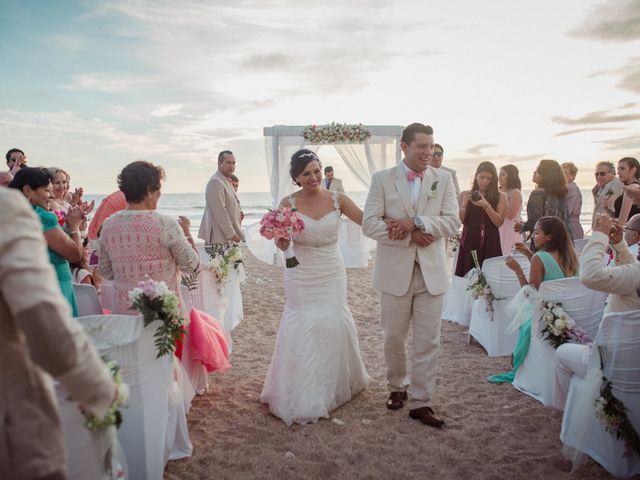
column 283, row 243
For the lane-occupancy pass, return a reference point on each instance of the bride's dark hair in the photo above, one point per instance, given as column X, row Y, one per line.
column 299, row 162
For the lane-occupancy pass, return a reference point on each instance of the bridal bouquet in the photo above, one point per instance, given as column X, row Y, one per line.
column 282, row 223
column 481, row 288
column 558, row 326
column 155, row 301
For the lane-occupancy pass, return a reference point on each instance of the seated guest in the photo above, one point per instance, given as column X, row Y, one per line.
column 35, row 184
column 38, row 338
column 139, row 241
column 481, row 212
column 628, row 173
column 81, row 273
column 632, row 234
column 555, row 258
column 510, row 185
column 574, row 199
column 621, row 282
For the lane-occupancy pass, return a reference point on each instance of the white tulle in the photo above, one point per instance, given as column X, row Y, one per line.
column 316, row 365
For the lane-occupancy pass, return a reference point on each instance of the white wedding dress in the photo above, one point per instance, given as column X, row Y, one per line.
column 316, row 365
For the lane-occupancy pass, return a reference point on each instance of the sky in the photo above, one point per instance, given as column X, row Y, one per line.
column 90, row 86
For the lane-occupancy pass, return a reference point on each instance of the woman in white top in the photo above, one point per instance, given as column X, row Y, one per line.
column 510, row 185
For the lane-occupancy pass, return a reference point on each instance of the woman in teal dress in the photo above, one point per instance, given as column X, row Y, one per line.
column 555, row 258
column 35, row 184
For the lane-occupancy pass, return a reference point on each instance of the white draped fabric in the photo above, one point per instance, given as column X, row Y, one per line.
column 365, row 159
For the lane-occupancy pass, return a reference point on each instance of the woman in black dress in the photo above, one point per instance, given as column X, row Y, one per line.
column 628, row 173
column 482, row 212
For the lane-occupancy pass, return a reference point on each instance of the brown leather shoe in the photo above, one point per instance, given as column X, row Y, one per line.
column 426, row 416
column 396, row 400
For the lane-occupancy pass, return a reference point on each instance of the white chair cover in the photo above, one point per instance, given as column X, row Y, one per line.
column 123, row 339
column 87, row 300
column 458, row 301
column 491, row 334
column 619, row 337
column 535, row 377
column 87, row 452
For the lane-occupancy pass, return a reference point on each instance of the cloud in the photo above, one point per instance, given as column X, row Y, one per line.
column 625, row 143
column 166, row 111
column 611, row 21
column 586, row 129
column 477, row 149
column 108, row 83
column 595, row 118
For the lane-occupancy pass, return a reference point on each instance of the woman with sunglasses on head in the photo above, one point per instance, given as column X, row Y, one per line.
column 549, row 200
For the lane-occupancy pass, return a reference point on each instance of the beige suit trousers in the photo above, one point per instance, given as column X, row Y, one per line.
column 423, row 310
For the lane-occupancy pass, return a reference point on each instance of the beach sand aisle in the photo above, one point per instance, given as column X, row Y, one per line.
column 492, row 431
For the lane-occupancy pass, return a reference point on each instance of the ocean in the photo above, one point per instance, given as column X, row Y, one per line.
column 255, row 204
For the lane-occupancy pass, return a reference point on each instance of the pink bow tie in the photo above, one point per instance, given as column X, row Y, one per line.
column 411, row 175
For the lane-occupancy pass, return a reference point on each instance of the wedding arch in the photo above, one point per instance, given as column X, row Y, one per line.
column 365, row 149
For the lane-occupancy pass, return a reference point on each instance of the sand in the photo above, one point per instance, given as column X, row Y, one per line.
column 492, row 431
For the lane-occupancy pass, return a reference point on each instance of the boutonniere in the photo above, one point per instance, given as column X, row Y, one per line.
column 432, row 192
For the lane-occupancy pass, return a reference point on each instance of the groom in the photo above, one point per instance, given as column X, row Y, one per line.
column 410, row 211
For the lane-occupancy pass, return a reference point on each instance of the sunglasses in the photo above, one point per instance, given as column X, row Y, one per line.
column 601, row 174
column 627, row 229
column 437, row 154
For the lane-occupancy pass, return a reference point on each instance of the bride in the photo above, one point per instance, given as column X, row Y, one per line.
column 316, row 364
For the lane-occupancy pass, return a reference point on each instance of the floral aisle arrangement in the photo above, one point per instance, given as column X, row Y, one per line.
column 336, row 133
column 155, row 301
column 113, row 416
column 480, row 288
column 613, row 415
column 282, row 223
column 558, row 327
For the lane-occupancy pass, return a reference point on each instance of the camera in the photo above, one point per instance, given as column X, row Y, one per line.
column 475, row 196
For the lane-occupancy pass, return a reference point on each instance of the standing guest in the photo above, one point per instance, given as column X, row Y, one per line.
column 38, row 338
column 139, row 241
column 109, row 205
column 221, row 217
column 16, row 159
column 574, row 199
column 235, row 182
column 621, row 282
column 35, row 184
column 410, row 212
column 555, row 259
column 628, row 173
column 606, row 191
column 60, row 187
column 5, row 179
column 332, row 183
column 482, row 211
column 510, row 185
column 436, row 162
column 632, row 234
column 549, row 200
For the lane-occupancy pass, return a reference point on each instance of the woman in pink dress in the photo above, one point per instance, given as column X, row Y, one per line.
column 509, row 182
column 139, row 241
column 574, row 199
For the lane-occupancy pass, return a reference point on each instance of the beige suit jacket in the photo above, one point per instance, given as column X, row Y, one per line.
column 221, row 217
column 38, row 338
column 437, row 207
column 336, row 185
column 454, row 177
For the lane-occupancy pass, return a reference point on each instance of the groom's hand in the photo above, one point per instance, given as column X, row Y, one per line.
column 400, row 227
column 421, row 239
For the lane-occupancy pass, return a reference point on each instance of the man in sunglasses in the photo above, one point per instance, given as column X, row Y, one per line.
column 632, row 234
column 608, row 188
column 436, row 162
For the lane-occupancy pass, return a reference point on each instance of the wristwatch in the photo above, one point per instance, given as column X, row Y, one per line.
column 419, row 224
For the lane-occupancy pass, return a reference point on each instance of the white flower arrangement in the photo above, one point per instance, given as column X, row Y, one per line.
column 480, row 288
column 113, row 416
column 558, row 327
column 336, row 133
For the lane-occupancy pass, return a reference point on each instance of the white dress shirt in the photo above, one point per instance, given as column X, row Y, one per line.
column 414, row 185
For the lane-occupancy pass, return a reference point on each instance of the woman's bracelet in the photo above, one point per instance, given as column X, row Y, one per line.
column 75, row 232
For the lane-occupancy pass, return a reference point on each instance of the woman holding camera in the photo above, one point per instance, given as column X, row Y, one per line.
column 482, row 212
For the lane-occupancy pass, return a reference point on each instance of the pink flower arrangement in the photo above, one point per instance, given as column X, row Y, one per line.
column 282, row 223
column 60, row 215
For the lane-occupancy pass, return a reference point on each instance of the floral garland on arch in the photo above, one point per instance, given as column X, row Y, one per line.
column 559, row 327
column 481, row 288
column 155, row 301
column 336, row 133
column 613, row 414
